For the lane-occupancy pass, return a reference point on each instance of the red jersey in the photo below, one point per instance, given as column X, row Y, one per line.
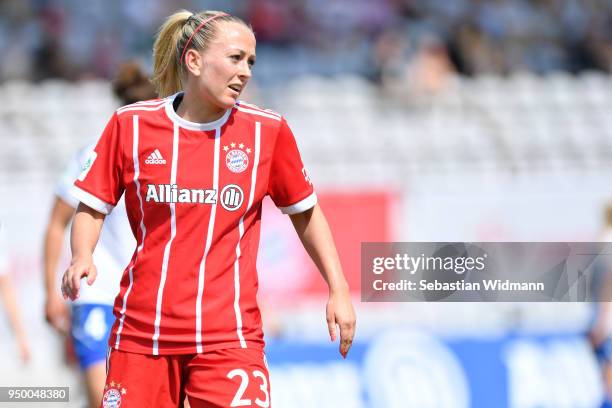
column 193, row 193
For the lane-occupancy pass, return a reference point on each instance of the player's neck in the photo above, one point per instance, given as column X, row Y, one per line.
column 196, row 110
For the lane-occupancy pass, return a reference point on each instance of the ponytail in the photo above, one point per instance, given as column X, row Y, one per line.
column 166, row 69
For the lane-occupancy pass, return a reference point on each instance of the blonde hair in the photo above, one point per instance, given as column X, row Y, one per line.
column 172, row 37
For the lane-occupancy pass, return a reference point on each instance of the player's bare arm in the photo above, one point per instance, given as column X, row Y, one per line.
column 8, row 298
column 56, row 312
column 313, row 230
column 83, row 238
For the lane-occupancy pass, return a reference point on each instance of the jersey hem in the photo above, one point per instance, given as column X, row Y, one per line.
column 92, row 201
column 301, row 206
column 98, row 300
column 253, row 345
column 92, row 303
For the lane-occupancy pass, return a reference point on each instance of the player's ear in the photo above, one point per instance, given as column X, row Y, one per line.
column 193, row 61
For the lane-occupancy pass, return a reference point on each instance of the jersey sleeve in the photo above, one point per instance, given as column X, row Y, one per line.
column 289, row 185
column 99, row 184
column 65, row 188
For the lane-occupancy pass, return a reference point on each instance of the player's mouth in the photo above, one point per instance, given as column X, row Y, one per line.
column 237, row 88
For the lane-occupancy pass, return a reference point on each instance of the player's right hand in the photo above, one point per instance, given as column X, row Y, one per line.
column 71, row 281
column 56, row 313
column 24, row 351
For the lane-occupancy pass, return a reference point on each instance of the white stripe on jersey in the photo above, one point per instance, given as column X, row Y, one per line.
column 149, row 102
column 108, row 351
column 141, row 104
column 257, row 108
column 164, row 271
column 211, row 227
column 140, row 108
column 256, row 112
column 241, row 229
column 143, row 229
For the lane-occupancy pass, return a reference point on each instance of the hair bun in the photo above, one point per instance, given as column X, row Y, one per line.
column 132, row 84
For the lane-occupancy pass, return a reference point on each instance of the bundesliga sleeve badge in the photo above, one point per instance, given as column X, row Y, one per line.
column 91, row 158
column 236, row 157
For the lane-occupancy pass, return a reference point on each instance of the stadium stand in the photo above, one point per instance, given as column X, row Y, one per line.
column 522, row 123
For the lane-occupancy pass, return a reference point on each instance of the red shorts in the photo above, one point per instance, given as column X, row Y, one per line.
column 219, row 378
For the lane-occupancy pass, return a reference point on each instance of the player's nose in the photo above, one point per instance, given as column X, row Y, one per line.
column 245, row 71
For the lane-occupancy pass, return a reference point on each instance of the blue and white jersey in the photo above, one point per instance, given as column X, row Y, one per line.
column 115, row 246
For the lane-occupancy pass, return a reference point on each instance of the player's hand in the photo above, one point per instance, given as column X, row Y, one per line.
column 24, row 351
column 71, row 281
column 56, row 313
column 340, row 312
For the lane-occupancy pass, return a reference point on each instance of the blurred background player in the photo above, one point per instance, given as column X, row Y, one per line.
column 9, row 301
column 91, row 318
column 600, row 333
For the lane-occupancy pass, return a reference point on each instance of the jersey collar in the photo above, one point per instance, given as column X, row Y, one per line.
column 174, row 117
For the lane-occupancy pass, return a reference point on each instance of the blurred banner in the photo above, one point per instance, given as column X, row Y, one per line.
column 412, row 369
column 286, row 271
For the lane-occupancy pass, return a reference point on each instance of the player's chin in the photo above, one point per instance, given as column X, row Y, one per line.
column 228, row 100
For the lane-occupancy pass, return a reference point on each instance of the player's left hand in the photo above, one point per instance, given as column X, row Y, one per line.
column 340, row 312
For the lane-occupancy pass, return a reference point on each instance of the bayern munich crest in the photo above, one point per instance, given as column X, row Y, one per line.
column 236, row 157
column 112, row 395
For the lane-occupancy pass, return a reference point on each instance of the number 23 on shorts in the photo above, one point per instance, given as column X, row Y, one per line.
column 256, row 375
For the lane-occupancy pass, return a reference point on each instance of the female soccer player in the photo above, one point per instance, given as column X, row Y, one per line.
column 194, row 168
column 91, row 319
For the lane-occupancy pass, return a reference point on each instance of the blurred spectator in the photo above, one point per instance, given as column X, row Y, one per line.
column 48, row 58
column 53, row 39
column 476, row 52
column 415, row 75
column 49, row 61
column 430, row 69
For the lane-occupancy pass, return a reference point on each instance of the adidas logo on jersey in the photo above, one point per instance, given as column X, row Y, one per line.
column 155, row 158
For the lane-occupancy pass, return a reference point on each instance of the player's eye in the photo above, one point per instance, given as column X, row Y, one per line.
column 251, row 62
column 235, row 57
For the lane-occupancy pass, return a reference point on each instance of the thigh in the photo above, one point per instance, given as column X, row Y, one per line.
column 91, row 326
column 139, row 380
column 95, row 377
column 228, row 378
